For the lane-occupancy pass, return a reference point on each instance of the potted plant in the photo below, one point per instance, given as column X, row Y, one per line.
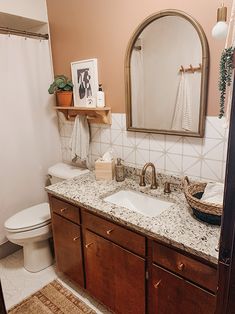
column 63, row 88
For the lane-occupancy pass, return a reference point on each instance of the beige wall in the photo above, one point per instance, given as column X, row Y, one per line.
column 82, row 29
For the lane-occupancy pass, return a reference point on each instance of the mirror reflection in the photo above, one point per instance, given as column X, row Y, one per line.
column 167, row 77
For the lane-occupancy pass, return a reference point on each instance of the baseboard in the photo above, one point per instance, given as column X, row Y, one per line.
column 8, row 248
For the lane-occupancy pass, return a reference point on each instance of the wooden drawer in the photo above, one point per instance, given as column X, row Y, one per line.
column 65, row 209
column 202, row 274
column 172, row 294
column 125, row 238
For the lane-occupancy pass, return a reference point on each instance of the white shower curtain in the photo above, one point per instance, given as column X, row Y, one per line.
column 137, row 86
column 29, row 135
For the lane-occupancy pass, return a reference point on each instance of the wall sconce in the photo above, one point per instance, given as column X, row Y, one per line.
column 220, row 29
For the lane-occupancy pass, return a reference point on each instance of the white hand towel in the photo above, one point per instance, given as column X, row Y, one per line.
column 80, row 139
column 182, row 119
column 214, row 193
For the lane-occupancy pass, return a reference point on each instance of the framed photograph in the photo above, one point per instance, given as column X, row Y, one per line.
column 85, row 80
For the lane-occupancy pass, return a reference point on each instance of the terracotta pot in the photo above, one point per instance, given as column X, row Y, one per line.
column 64, row 98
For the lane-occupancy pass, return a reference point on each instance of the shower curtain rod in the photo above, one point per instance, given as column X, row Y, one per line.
column 23, row 33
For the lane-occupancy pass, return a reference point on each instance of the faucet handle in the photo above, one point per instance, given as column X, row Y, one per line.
column 167, row 187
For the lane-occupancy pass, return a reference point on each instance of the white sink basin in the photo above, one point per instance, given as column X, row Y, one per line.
column 138, row 202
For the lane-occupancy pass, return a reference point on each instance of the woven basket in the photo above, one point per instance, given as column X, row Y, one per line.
column 193, row 193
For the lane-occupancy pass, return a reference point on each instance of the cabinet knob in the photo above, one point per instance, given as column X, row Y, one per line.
column 88, row 245
column 156, row 285
column 75, row 238
column 181, row 266
column 63, row 209
column 109, row 231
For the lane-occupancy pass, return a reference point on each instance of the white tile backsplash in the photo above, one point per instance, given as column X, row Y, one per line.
column 192, row 146
column 157, row 142
column 142, row 156
column 196, row 157
column 174, row 144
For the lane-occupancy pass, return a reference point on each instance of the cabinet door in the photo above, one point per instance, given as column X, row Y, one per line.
column 173, row 295
column 68, row 251
column 114, row 276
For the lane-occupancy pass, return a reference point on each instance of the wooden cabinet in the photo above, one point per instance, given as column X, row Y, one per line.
column 65, row 210
column 114, row 276
column 185, row 266
column 116, row 266
column 173, row 295
column 128, row 239
column 68, row 250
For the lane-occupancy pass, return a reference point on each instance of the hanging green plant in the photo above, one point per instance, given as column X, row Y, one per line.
column 225, row 79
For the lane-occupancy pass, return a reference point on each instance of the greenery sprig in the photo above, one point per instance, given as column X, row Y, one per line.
column 225, row 78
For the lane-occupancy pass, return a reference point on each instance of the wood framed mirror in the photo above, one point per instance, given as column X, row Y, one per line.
column 166, row 75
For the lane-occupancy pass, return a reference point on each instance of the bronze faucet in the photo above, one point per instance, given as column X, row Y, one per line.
column 142, row 175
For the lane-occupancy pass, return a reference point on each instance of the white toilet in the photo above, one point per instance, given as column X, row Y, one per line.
column 31, row 227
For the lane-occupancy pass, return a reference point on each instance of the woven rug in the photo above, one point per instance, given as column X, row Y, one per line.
column 53, row 298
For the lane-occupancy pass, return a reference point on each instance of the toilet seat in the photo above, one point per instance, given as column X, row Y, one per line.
column 30, row 218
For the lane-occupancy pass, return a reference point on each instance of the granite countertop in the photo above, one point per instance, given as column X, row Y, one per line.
column 175, row 226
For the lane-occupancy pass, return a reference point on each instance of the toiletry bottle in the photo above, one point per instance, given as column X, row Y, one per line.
column 100, row 98
column 119, row 171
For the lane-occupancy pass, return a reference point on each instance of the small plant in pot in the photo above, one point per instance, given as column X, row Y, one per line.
column 63, row 88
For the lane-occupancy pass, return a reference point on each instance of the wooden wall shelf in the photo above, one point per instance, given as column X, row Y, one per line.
column 94, row 115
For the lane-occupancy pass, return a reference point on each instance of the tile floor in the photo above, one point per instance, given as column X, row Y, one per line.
column 17, row 283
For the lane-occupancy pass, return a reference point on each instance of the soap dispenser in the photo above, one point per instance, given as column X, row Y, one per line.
column 100, row 103
column 119, row 171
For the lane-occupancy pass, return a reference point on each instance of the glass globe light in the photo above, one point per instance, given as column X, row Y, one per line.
column 220, row 29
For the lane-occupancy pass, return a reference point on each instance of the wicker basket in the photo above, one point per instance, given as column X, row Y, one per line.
column 205, row 211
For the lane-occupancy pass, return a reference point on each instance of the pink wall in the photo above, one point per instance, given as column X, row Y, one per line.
column 82, row 29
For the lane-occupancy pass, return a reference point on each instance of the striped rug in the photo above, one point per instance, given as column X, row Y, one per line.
column 53, row 298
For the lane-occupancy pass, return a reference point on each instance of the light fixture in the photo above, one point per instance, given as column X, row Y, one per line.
column 220, row 29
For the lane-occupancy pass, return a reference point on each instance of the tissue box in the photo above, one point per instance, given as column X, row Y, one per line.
column 104, row 170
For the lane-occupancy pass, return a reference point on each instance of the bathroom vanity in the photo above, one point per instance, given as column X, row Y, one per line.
column 129, row 262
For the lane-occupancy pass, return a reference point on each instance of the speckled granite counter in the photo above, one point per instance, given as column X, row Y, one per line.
column 176, row 225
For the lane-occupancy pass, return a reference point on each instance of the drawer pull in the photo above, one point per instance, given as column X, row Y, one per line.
column 88, row 245
column 156, row 285
column 109, row 231
column 181, row 266
column 63, row 209
column 75, row 238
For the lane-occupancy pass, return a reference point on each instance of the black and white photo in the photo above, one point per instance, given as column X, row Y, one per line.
column 85, row 80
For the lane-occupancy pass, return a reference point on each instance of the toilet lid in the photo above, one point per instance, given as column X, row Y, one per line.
column 29, row 218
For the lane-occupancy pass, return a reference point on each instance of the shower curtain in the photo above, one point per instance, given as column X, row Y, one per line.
column 137, row 86
column 29, row 136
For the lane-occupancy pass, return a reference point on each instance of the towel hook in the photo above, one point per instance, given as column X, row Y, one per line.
column 191, row 68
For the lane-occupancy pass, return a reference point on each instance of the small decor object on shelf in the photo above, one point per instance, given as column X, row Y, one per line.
column 85, row 80
column 100, row 97
column 63, row 88
column 226, row 68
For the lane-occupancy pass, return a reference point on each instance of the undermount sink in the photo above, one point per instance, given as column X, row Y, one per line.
column 138, row 202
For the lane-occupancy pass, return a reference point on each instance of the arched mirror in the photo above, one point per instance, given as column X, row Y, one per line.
column 166, row 69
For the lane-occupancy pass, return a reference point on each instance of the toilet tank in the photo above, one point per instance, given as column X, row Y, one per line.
column 62, row 171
